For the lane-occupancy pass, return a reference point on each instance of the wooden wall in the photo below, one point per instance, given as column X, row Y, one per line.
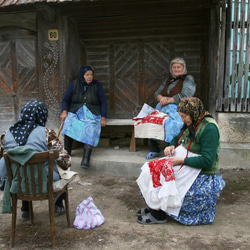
column 131, row 43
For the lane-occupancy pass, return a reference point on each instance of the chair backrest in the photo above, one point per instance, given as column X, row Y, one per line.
column 32, row 180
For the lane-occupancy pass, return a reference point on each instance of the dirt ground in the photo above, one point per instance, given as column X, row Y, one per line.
column 118, row 199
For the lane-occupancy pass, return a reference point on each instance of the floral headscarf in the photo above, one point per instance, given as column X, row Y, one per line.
column 192, row 106
column 33, row 114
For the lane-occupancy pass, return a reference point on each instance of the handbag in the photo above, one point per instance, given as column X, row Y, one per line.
column 88, row 215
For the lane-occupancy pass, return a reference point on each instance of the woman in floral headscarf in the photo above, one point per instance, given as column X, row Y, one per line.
column 199, row 135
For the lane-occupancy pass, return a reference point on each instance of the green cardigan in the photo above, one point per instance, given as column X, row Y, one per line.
column 206, row 143
column 20, row 154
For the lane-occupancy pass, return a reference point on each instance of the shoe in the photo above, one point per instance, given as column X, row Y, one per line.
column 87, row 149
column 152, row 155
column 149, row 219
column 25, row 215
column 59, row 211
column 143, row 211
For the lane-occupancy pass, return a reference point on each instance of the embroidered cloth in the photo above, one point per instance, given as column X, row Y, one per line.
column 169, row 194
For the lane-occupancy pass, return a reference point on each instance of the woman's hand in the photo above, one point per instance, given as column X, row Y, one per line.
column 164, row 101
column 63, row 115
column 177, row 160
column 103, row 122
column 169, row 150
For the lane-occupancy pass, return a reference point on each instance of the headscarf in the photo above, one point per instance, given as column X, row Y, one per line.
column 33, row 114
column 180, row 61
column 192, row 106
column 83, row 70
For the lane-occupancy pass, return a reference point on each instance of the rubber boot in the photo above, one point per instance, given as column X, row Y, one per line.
column 68, row 144
column 87, row 150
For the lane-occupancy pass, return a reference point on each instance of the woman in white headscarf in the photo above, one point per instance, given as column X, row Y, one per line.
column 178, row 85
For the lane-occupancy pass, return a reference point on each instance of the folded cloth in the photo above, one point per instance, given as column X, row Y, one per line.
column 151, row 126
column 67, row 176
column 145, row 111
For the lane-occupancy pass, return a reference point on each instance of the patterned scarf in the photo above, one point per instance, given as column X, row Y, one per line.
column 33, row 114
column 194, row 107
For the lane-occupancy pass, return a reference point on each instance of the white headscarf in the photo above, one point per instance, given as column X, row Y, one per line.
column 181, row 61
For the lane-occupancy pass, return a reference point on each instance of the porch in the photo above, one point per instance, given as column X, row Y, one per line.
column 116, row 160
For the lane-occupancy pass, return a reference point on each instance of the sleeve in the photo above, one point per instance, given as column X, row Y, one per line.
column 188, row 89
column 159, row 90
column 102, row 99
column 209, row 141
column 67, row 97
column 53, row 142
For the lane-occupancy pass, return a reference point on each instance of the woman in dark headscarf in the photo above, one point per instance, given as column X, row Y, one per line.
column 199, row 135
column 84, row 111
column 29, row 131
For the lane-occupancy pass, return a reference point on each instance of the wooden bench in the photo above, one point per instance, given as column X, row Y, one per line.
column 124, row 122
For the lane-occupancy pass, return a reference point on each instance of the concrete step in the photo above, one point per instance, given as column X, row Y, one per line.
column 118, row 161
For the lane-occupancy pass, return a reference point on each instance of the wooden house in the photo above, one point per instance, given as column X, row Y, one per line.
column 129, row 43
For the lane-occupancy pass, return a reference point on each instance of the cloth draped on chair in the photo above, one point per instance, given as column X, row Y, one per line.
column 21, row 154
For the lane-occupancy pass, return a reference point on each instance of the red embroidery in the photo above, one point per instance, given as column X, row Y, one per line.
column 164, row 167
column 153, row 118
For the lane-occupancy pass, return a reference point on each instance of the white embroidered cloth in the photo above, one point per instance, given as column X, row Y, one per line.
column 151, row 126
column 170, row 195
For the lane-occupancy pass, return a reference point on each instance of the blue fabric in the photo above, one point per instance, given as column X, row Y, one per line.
column 173, row 124
column 83, row 126
column 199, row 205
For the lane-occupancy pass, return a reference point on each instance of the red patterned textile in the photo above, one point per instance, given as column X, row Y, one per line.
column 164, row 167
column 153, row 118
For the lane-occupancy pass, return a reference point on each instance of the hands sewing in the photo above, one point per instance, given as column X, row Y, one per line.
column 168, row 151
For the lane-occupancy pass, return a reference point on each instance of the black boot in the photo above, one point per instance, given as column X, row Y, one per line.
column 87, row 149
column 68, row 144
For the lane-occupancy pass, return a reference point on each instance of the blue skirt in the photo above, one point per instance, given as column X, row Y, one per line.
column 199, row 204
column 173, row 124
column 83, row 126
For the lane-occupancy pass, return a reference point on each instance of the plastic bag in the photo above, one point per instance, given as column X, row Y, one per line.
column 88, row 215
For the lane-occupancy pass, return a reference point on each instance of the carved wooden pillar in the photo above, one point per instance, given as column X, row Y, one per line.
column 52, row 55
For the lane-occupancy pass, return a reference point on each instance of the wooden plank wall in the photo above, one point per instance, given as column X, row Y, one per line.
column 130, row 45
column 234, row 79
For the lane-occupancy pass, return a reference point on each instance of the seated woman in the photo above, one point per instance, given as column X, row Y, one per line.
column 30, row 131
column 84, row 111
column 179, row 85
column 199, row 135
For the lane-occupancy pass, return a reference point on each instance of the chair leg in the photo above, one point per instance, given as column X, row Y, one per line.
column 52, row 224
column 31, row 212
column 13, row 227
column 66, row 200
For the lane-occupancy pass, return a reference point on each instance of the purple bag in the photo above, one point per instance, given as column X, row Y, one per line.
column 88, row 215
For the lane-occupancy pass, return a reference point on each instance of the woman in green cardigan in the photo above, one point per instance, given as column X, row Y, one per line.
column 199, row 135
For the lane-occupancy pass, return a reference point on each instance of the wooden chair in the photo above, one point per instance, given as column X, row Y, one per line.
column 32, row 186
